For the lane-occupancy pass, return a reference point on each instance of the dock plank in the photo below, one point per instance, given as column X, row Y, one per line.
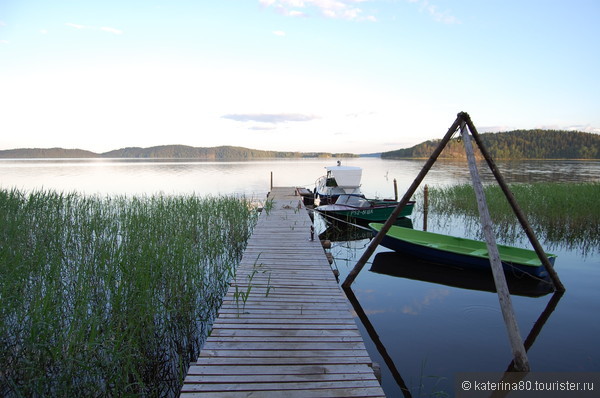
column 285, row 327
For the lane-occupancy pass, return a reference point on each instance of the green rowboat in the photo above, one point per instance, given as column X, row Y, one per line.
column 459, row 252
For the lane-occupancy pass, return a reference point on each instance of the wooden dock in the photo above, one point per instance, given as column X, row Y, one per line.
column 285, row 328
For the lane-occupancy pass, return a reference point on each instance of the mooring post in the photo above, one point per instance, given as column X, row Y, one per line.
column 392, row 219
column 519, row 354
column 271, row 181
column 516, row 209
column 395, row 190
column 425, row 206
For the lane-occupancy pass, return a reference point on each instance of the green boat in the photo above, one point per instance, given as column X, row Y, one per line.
column 459, row 252
column 357, row 207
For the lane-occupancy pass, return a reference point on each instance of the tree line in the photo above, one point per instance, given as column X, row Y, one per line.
column 516, row 144
column 167, row 152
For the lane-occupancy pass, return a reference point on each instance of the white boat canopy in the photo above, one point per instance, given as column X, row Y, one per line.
column 346, row 177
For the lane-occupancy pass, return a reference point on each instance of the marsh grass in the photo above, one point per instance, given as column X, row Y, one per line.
column 562, row 214
column 111, row 296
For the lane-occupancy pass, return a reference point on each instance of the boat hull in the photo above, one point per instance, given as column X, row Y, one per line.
column 377, row 213
column 460, row 252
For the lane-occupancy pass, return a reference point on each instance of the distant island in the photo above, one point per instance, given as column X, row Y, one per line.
column 516, row 144
column 166, row 152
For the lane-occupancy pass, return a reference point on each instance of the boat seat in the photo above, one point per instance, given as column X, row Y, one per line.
column 480, row 252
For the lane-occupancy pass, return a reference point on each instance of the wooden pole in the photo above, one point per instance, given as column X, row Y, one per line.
column 395, row 190
column 516, row 209
column 425, row 206
column 271, row 181
column 411, row 190
column 519, row 354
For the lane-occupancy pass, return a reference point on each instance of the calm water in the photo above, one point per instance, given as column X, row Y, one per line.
column 430, row 324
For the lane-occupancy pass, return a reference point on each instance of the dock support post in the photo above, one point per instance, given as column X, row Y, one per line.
column 519, row 354
column 425, row 206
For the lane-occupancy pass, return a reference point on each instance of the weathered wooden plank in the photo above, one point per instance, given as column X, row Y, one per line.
column 299, row 307
column 282, row 346
column 274, row 326
column 374, row 392
column 278, row 361
column 289, row 353
column 287, row 339
column 348, row 378
column 244, row 316
column 266, row 333
column 267, row 310
column 248, row 314
column 232, row 370
column 279, row 386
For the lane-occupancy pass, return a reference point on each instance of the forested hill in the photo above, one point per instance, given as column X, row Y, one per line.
column 31, row 153
column 517, row 144
column 165, row 152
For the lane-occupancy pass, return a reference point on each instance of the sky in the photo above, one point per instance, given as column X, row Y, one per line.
column 356, row 76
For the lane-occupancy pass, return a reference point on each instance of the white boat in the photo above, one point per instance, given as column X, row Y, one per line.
column 339, row 180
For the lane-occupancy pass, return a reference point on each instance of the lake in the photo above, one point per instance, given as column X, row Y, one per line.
column 430, row 325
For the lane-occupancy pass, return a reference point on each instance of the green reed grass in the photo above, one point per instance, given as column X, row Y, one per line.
column 562, row 214
column 111, row 296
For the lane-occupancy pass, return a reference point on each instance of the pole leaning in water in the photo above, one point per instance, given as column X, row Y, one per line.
column 409, row 193
column 521, row 362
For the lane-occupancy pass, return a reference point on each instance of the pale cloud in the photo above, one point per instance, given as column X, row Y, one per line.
column 434, row 11
column 494, row 129
column 419, row 305
column 75, row 25
column 279, row 33
column 44, row 31
column 3, row 41
column 335, row 9
column 586, row 128
column 111, row 30
column 262, row 128
column 272, row 118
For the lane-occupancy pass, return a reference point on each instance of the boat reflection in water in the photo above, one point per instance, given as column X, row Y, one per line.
column 339, row 230
column 404, row 266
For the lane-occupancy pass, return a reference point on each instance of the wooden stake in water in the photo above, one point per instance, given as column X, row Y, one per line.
column 425, row 206
column 519, row 354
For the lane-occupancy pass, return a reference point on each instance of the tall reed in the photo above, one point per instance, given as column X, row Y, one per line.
column 562, row 214
column 111, row 296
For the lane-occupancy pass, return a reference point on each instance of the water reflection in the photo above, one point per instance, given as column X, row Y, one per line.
column 148, row 176
column 377, row 341
column 402, row 266
column 392, row 264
